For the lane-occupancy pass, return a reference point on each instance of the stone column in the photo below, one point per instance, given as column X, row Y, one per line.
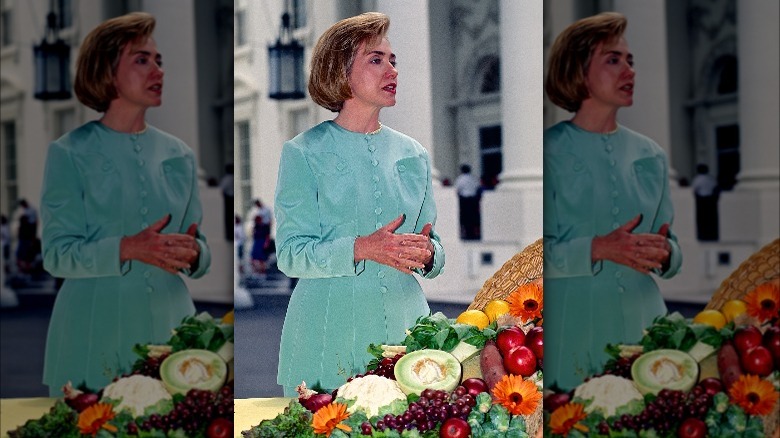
column 521, row 93
column 646, row 37
column 759, row 94
column 410, row 39
column 513, row 212
column 755, row 198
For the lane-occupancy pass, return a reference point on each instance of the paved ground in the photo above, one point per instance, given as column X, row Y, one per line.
column 258, row 329
column 23, row 338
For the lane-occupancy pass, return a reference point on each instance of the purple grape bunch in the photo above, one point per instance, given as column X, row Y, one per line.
column 191, row 414
column 432, row 408
column 665, row 412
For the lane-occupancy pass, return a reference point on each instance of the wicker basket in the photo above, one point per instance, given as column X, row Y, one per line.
column 761, row 267
column 524, row 267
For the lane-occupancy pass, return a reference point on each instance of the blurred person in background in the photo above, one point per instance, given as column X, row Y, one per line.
column 469, row 191
column 706, row 191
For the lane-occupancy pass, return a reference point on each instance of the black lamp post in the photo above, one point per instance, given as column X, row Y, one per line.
column 52, row 64
column 285, row 61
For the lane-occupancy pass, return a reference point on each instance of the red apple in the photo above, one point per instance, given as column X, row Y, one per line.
column 746, row 338
column 757, row 361
column 555, row 400
column 692, row 428
column 520, row 361
column 534, row 340
column 509, row 338
column 475, row 385
column 711, row 385
column 455, row 428
column 771, row 341
column 220, row 428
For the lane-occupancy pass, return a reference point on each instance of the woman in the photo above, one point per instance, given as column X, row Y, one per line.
column 606, row 206
column 354, row 210
column 120, row 211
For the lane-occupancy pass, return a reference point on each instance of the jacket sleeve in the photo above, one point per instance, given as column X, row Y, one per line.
column 193, row 214
column 563, row 256
column 69, row 251
column 301, row 249
column 428, row 215
column 665, row 215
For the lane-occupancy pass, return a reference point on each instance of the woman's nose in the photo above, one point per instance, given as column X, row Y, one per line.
column 629, row 71
column 392, row 71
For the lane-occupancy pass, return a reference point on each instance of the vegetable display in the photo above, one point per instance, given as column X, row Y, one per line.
column 713, row 375
column 429, row 386
column 141, row 404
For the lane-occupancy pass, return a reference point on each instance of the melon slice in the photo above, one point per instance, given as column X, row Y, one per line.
column 193, row 369
column 659, row 369
column 421, row 369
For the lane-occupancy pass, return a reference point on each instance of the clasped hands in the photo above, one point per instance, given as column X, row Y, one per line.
column 404, row 252
column 642, row 252
column 170, row 252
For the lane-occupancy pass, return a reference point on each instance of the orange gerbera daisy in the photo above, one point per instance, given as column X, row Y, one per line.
column 519, row 397
column 754, row 394
column 526, row 302
column 763, row 302
column 96, row 417
column 567, row 417
column 329, row 417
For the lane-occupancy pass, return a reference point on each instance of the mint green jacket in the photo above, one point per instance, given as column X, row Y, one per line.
column 335, row 185
column 594, row 183
column 100, row 185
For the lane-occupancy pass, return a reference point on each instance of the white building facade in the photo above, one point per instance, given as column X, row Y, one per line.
column 195, row 41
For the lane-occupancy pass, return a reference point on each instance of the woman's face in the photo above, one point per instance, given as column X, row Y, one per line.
column 139, row 75
column 610, row 76
column 373, row 78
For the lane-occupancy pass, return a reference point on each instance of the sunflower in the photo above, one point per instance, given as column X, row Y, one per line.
column 763, row 302
column 754, row 394
column 567, row 417
column 519, row 397
column 96, row 417
column 330, row 417
column 526, row 302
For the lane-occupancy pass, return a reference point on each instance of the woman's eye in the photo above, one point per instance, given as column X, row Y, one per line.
column 141, row 60
column 393, row 63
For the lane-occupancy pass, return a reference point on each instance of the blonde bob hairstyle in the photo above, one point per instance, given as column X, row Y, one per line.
column 99, row 57
column 334, row 54
column 571, row 53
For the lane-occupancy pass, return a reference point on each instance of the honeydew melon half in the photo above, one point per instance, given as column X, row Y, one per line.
column 193, row 369
column 659, row 369
column 421, row 369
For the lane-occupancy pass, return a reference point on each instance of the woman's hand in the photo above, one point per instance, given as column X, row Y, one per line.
column 170, row 252
column 403, row 252
column 642, row 251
